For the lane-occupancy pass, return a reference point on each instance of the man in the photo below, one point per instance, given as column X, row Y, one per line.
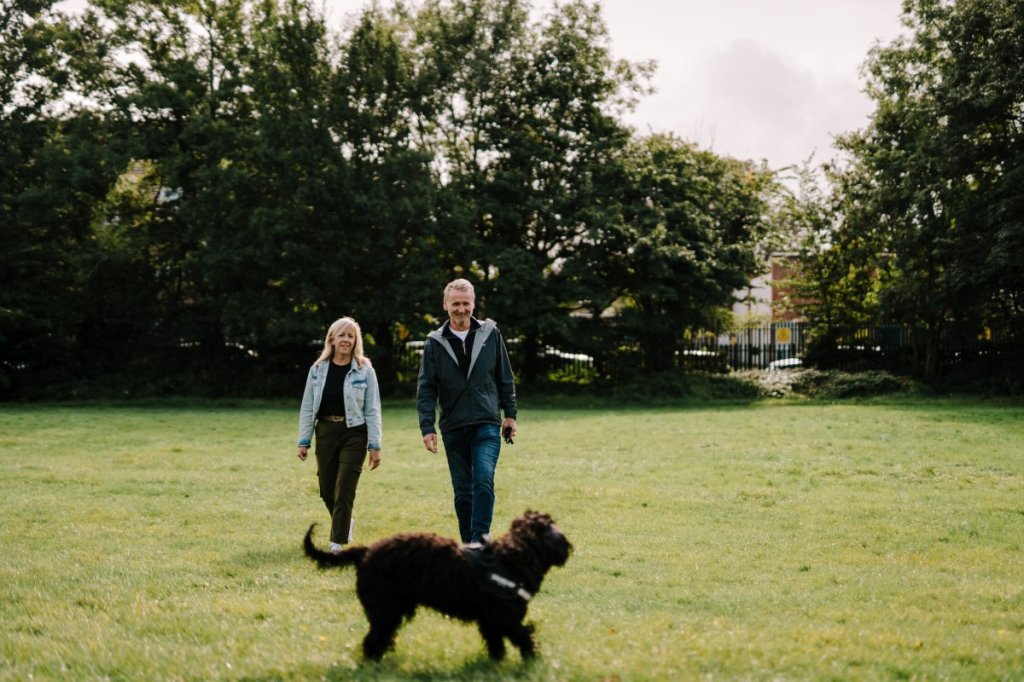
column 465, row 367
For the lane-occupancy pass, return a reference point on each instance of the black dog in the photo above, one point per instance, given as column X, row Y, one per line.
column 490, row 584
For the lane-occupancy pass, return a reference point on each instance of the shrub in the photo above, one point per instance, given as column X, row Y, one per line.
column 688, row 385
column 825, row 384
column 838, row 384
column 771, row 383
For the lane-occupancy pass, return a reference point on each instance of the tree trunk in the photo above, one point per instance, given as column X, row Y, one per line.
column 659, row 353
column 528, row 357
column 933, row 351
column 385, row 358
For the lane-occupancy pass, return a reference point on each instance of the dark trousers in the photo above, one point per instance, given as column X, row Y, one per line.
column 472, row 454
column 340, row 452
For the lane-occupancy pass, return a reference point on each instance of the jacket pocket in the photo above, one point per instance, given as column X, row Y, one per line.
column 357, row 393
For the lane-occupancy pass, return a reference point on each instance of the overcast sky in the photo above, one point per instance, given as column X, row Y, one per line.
column 771, row 79
column 753, row 79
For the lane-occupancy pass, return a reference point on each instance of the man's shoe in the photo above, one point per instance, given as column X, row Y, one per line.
column 335, row 548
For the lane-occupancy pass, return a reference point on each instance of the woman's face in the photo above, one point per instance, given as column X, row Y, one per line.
column 344, row 341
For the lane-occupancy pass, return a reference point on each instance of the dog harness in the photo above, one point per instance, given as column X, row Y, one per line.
column 495, row 579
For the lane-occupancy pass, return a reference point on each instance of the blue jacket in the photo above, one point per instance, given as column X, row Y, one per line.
column 465, row 400
column 362, row 401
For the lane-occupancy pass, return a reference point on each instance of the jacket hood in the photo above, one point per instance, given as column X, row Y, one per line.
column 486, row 327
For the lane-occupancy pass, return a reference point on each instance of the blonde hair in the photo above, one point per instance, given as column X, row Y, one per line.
column 460, row 285
column 338, row 326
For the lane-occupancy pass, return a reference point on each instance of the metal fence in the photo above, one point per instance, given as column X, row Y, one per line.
column 775, row 345
column 770, row 346
column 756, row 348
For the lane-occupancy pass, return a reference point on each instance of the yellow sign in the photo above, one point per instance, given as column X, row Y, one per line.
column 783, row 335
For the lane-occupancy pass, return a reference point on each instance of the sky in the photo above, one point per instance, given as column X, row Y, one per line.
column 754, row 79
column 751, row 79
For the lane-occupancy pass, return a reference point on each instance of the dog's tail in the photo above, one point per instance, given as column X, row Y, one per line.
column 350, row 556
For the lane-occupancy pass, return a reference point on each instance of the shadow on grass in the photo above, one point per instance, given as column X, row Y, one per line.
column 475, row 668
column 269, row 556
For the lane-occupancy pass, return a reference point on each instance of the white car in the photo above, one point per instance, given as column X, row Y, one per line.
column 787, row 363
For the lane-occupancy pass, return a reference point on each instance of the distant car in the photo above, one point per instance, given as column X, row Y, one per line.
column 787, row 363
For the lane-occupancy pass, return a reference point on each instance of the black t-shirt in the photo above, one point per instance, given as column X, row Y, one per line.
column 332, row 402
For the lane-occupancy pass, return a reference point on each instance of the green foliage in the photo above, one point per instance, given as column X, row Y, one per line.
column 372, row 253
column 837, row 384
column 828, row 384
column 835, row 288
column 696, row 387
column 190, row 192
column 665, row 388
column 996, row 374
column 52, row 168
column 524, row 124
column 798, row 541
column 686, row 240
column 927, row 205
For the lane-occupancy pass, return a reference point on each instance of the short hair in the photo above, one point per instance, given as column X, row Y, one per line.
column 460, row 285
column 338, row 326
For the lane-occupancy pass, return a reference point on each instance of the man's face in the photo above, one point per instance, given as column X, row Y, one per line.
column 459, row 305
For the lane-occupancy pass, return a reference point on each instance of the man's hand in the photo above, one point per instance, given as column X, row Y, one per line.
column 430, row 442
column 303, row 452
column 508, row 429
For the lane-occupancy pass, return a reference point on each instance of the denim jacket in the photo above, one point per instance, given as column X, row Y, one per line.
column 362, row 401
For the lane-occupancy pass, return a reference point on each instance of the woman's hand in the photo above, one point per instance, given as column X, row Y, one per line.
column 374, row 459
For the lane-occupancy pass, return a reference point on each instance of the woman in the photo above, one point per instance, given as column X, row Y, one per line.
column 342, row 403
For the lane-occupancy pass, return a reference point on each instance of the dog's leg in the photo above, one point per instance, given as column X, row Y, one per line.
column 381, row 636
column 494, row 637
column 522, row 637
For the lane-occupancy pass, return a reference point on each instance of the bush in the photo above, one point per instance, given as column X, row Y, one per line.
column 671, row 387
column 998, row 374
column 747, row 385
column 679, row 385
column 839, row 384
column 771, row 383
column 825, row 384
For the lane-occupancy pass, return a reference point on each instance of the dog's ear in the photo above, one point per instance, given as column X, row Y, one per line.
column 536, row 519
column 530, row 524
column 539, row 531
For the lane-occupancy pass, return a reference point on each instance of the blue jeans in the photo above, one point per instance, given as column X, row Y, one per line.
column 472, row 453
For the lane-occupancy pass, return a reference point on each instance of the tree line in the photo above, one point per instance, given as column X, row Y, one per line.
column 190, row 191
column 923, row 224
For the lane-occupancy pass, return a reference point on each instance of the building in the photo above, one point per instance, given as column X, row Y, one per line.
column 769, row 297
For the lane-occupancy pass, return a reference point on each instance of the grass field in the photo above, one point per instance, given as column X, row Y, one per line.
column 772, row 541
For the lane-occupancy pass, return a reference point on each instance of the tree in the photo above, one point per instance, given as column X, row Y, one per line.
column 524, row 121
column 690, row 225
column 171, row 83
column 933, row 172
column 279, row 194
column 49, row 179
column 382, row 208
column 220, row 179
column 23, row 135
column 983, row 91
column 836, row 288
column 222, row 111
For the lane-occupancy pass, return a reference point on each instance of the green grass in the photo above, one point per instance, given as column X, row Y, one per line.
column 878, row 540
